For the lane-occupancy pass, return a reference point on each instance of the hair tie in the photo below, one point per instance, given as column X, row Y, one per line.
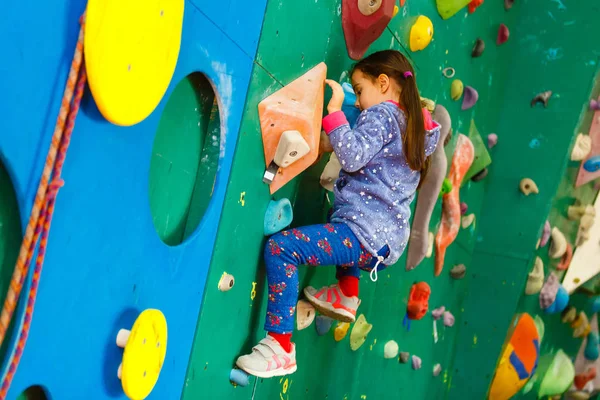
column 407, row 74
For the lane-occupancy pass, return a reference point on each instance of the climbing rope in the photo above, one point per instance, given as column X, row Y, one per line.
column 41, row 213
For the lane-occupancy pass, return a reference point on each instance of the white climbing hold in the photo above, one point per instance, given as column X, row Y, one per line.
column 467, row 220
column 558, row 247
column 431, row 240
column 391, row 349
column 226, row 282
column 582, row 148
column 437, row 369
column 305, row 314
column 528, row 186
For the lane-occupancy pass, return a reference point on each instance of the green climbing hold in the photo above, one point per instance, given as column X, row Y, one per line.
column 446, row 187
column 482, row 156
column 447, row 8
column 359, row 333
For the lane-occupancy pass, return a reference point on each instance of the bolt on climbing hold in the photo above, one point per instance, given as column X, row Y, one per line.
column 458, row 271
column 449, row 72
column 535, row 279
column 568, row 315
column 390, row 350
column 446, row 187
column 448, row 319
column 593, row 164
column 503, row 34
column 528, row 187
column 456, row 89
column 421, row 33
column 359, row 332
column 396, row 10
column 577, row 212
column 238, row 377
column 478, row 48
column 470, row 98
column 545, row 234
column 582, row 148
column 226, row 282
column 340, row 331
column 323, row 324
column 508, row 4
column 558, row 247
column 473, row 5
column 437, row 369
column 492, row 140
column 305, row 314
column 565, row 260
column 279, row 214
column 591, row 352
column 467, row 220
column 368, row 7
column 553, row 296
column 416, row 362
column 403, row 357
column 480, row 175
column 463, row 208
column 594, row 105
column 438, row 312
column 542, row 97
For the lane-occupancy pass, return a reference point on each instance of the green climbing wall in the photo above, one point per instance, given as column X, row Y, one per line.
column 546, row 51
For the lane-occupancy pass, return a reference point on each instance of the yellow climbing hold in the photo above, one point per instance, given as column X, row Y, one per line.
column 144, row 354
column 359, row 333
column 242, row 199
column 340, row 331
column 131, row 49
column 421, row 33
column 285, row 386
column 253, row 291
column 396, row 9
column 456, row 89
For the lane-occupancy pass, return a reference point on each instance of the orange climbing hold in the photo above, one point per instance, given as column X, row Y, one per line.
column 450, row 224
column 418, row 300
column 297, row 106
column 473, row 5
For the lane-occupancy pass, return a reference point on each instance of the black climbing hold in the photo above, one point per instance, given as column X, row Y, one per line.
column 480, row 175
column 404, row 356
column 542, row 98
column 478, row 48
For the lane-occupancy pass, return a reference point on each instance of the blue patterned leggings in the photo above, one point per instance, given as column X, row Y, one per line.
column 329, row 244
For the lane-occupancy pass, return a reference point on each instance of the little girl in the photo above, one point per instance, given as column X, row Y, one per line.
column 384, row 159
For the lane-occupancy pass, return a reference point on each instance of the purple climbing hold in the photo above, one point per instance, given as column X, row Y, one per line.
column 463, row 208
column 448, row 319
column 470, row 97
column 438, row 312
column 594, row 105
column 492, row 140
column 545, row 234
column 416, row 362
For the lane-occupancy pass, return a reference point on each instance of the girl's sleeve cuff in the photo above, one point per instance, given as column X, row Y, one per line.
column 333, row 121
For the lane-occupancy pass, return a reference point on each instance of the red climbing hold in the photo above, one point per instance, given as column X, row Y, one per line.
column 473, row 5
column 503, row 34
column 363, row 22
column 402, row 3
column 418, row 300
column 583, row 378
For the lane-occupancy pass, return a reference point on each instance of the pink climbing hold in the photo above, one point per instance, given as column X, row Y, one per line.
column 470, row 97
column 438, row 312
column 492, row 140
column 448, row 319
column 545, row 234
column 594, row 105
column 463, row 208
column 503, row 34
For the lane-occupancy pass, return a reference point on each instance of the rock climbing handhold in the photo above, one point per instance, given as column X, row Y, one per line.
column 226, row 282
column 449, row 72
column 470, row 98
column 416, row 362
column 528, row 187
column 340, row 331
column 447, row 8
column 480, row 175
column 390, row 350
column 437, row 369
column 463, row 208
column 458, row 271
column 542, row 98
column 330, row 173
column 438, row 312
column 545, row 234
column 492, row 140
column 396, row 10
column 478, row 48
column 238, row 377
column 591, row 352
column 592, row 164
column 368, row 7
column 581, row 325
column 428, row 104
column 553, row 297
column 359, row 333
column 448, row 319
column 558, row 247
column 279, row 214
column 473, row 5
column 577, row 212
column 582, row 148
column 503, row 34
column 456, row 89
column 568, row 315
column 446, row 187
column 565, row 260
column 361, row 30
column 323, row 324
column 418, row 300
column 535, row 279
column 594, row 105
column 305, row 314
column 583, row 378
column 421, row 33
column 291, row 148
column 467, row 220
column 508, row 4
column 403, row 357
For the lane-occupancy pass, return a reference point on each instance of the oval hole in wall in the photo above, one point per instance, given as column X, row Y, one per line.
column 185, row 158
column 34, row 392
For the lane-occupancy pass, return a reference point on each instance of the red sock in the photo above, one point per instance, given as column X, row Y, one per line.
column 284, row 339
column 349, row 285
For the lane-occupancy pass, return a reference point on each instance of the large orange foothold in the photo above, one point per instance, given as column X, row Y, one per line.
column 450, row 224
column 295, row 109
column 363, row 22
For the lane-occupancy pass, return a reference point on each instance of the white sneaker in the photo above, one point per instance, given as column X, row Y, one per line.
column 333, row 303
column 268, row 359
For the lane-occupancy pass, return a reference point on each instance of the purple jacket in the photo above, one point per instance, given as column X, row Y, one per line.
column 376, row 186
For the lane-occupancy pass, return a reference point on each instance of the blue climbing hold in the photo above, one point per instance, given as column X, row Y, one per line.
column 534, row 144
column 348, row 108
column 595, row 305
column 591, row 347
column 592, row 164
column 560, row 302
column 239, row 377
column 323, row 324
column 279, row 215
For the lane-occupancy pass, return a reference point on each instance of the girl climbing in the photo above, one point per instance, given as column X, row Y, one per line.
column 384, row 159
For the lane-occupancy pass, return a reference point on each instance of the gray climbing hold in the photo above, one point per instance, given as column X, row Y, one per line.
column 404, row 356
column 542, row 98
column 238, row 377
column 458, row 272
column 438, row 312
column 323, row 324
column 416, row 362
column 480, row 175
column 437, row 369
column 470, row 97
column 478, row 48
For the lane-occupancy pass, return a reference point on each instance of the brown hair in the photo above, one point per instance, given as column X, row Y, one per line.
column 393, row 64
